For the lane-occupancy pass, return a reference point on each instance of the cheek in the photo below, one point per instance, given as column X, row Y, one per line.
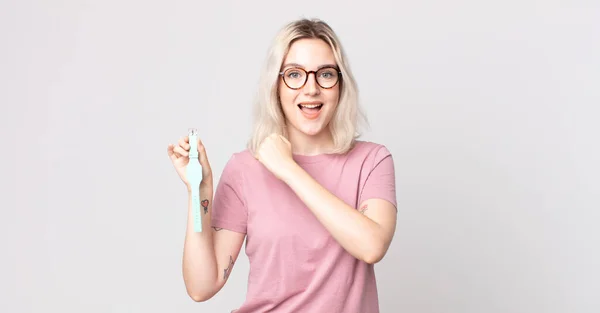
column 333, row 95
column 287, row 97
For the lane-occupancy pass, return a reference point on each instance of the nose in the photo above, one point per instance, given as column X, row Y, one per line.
column 311, row 87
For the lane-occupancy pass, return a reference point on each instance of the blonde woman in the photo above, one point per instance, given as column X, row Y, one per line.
column 317, row 205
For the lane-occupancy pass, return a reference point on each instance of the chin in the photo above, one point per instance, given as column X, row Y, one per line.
column 311, row 131
column 311, row 127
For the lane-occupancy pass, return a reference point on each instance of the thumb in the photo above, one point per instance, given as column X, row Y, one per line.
column 202, row 156
column 285, row 140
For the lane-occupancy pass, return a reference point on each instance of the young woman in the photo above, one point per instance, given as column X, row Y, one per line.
column 318, row 206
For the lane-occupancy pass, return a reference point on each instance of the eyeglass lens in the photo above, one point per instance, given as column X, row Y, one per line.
column 297, row 77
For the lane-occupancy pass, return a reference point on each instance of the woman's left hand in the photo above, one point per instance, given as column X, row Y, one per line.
column 275, row 153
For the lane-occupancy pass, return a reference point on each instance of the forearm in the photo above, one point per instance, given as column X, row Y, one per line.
column 199, row 262
column 356, row 233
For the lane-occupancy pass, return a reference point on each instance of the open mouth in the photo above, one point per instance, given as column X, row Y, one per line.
column 310, row 110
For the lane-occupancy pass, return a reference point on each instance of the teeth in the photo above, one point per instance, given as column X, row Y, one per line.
column 310, row 106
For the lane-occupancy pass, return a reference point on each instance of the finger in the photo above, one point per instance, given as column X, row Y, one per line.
column 171, row 153
column 180, row 151
column 257, row 155
column 183, row 143
column 174, row 154
column 284, row 139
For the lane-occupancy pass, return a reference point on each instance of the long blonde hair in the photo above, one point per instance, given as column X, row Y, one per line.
column 269, row 117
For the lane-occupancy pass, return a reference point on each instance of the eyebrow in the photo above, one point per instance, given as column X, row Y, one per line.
column 298, row 65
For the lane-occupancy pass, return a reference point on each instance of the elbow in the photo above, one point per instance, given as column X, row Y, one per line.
column 374, row 253
column 199, row 297
column 199, row 291
column 373, row 258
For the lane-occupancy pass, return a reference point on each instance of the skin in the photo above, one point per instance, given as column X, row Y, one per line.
column 366, row 233
column 309, row 136
column 208, row 256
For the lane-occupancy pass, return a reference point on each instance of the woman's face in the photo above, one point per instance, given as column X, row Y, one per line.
column 309, row 108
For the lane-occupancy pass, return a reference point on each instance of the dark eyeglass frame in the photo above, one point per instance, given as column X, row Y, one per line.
column 308, row 74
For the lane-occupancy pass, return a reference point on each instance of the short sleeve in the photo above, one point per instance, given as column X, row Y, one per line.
column 229, row 210
column 381, row 180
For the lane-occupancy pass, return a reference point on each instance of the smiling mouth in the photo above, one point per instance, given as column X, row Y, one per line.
column 310, row 108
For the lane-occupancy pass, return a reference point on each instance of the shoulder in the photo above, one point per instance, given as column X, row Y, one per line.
column 242, row 159
column 234, row 169
column 369, row 150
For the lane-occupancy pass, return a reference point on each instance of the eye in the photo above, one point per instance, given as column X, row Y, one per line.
column 328, row 74
column 294, row 74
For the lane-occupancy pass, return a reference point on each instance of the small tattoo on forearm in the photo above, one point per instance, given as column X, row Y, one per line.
column 363, row 209
column 217, row 228
column 205, row 205
column 227, row 271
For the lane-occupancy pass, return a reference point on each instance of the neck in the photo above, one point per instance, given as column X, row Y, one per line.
column 310, row 144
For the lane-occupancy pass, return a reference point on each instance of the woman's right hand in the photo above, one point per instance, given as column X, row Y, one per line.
column 179, row 155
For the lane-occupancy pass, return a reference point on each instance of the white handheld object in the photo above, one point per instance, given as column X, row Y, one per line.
column 194, row 176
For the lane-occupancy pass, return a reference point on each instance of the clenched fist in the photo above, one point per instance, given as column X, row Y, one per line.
column 275, row 153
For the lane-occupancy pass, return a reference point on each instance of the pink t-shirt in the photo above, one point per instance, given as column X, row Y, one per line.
column 295, row 264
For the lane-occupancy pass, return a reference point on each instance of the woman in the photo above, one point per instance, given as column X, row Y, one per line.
column 317, row 205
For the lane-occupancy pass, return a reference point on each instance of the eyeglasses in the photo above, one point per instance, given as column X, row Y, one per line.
column 296, row 78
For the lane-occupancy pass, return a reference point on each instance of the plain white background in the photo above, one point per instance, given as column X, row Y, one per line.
column 490, row 109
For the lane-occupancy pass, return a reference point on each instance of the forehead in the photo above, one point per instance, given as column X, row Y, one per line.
column 309, row 53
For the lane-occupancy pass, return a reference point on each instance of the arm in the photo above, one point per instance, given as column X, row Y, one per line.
column 365, row 233
column 208, row 256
